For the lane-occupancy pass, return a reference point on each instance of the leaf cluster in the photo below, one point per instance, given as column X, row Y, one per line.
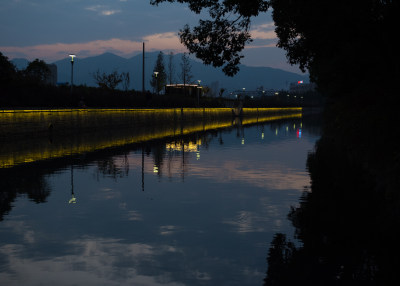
column 219, row 41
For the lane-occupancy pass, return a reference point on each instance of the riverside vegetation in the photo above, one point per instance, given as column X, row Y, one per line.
column 28, row 88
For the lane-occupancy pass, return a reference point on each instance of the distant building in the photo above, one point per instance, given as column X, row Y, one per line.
column 52, row 77
column 184, row 89
column 300, row 87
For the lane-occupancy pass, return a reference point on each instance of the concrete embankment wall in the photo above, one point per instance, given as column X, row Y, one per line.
column 30, row 136
column 21, row 123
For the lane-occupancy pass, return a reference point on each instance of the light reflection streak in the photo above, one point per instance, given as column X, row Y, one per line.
column 267, row 176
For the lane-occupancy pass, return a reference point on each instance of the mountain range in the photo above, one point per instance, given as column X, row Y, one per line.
column 248, row 77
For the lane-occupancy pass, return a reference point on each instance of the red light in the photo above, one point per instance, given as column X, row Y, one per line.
column 298, row 133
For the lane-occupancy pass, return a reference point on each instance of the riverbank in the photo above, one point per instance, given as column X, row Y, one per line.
column 35, row 135
column 44, row 122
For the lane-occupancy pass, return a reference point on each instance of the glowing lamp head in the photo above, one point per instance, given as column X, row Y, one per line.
column 156, row 73
column 72, row 57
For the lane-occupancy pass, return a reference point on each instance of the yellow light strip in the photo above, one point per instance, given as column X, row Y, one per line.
column 11, row 159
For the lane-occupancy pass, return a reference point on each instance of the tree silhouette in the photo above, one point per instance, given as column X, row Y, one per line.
column 171, row 68
column 219, row 41
column 7, row 70
column 348, row 221
column 341, row 56
column 37, row 72
column 186, row 69
column 108, row 81
column 348, row 47
column 159, row 77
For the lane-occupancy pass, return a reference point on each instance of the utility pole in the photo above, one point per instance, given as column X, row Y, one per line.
column 143, row 89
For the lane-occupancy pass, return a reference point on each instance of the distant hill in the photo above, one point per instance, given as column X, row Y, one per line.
column 248, row 77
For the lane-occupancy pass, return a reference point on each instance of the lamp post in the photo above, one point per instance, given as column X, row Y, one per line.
column 158, row 91
column 72, row 70
column 198, row 93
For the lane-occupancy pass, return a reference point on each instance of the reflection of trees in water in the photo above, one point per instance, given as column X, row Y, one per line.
column 109, row 168
column 20, row 181
column 30, row 179
column 349, row 223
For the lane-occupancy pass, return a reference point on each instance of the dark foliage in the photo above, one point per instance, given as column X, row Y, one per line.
column 159, row 78
column 348, row 222
column 8, row 72
column 29, row 89
column 219, row 41
column 348, row 47
column 36, row 72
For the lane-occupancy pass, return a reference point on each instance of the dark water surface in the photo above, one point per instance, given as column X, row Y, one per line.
column 199, row 209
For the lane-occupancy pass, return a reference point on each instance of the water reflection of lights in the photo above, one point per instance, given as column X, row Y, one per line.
column 242, row 141
column 298, row 133
column 72, row 200
column 155, row 169
column 262, row 136
column 187, row 147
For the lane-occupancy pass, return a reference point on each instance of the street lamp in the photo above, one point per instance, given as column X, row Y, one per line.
column 198, row 93
column 72, row 70
column 155, row 74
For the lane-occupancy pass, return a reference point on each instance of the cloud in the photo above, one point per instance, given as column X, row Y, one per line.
column 95, row 260
column 102, row 10
column 168, row 41
column 109, row 12
column 264, row 32
column 121, row 47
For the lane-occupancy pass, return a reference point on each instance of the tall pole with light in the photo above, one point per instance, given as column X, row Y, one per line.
column 72, row 70
column 198, row 93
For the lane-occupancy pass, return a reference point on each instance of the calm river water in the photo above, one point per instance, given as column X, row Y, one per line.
column 198, row 209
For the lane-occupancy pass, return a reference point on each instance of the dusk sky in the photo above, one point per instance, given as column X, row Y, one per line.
column 50, row 30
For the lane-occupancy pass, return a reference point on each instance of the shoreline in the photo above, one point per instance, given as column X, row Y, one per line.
column 53, row 143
